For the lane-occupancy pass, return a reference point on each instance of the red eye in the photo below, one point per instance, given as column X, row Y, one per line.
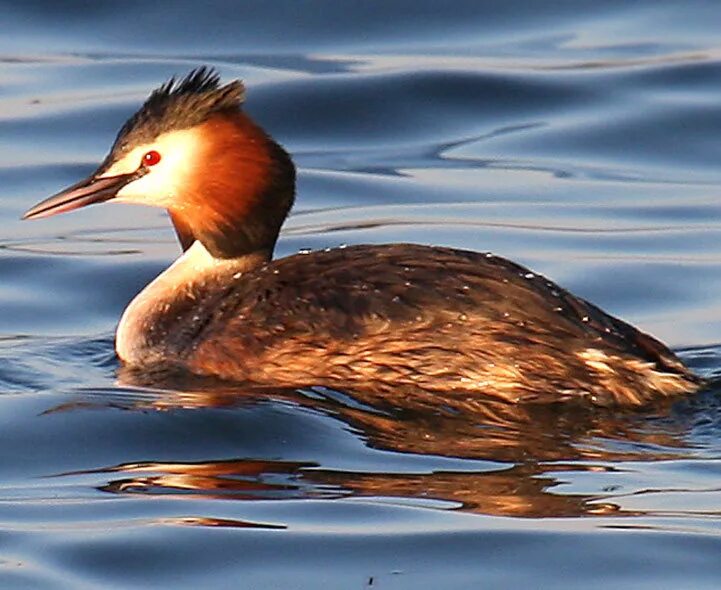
column 151, row 158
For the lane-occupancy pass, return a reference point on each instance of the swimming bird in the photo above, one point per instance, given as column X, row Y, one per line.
column 390, row 319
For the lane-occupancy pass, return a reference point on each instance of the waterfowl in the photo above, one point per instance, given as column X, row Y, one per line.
column 390, row 319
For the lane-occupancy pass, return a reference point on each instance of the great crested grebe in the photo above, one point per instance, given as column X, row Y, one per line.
column 388, row 319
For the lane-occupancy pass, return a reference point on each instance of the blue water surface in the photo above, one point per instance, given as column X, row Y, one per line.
column 579, row 138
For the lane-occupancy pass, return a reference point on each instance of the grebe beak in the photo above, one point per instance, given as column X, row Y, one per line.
column 94, row 189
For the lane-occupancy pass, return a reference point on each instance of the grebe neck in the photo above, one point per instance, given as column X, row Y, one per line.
column 178, row 297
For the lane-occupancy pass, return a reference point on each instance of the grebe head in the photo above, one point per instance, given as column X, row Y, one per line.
column 192, row 150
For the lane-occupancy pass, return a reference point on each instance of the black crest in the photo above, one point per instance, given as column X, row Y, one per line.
column 180, row 104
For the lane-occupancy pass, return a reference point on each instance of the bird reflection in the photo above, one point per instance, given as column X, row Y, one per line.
column 522, row 490
column 530, row 447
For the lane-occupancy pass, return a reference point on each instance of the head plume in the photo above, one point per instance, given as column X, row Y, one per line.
column 180, row 104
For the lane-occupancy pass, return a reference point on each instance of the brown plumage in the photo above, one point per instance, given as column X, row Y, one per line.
column 237, row 158
column 397, row 319
column 393, row 320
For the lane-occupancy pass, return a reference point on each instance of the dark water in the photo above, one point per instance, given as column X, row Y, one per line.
column 579, row 138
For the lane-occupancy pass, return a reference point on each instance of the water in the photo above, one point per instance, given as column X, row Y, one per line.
column 579, row 138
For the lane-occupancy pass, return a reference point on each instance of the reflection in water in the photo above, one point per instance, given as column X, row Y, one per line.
column 240, row 480
column 531, row 447
column 522, row 490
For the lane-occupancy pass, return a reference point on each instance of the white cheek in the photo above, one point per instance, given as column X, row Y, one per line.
column 157, row 188
column 163, row 184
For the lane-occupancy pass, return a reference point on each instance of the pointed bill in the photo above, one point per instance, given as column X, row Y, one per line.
column 86, row 192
